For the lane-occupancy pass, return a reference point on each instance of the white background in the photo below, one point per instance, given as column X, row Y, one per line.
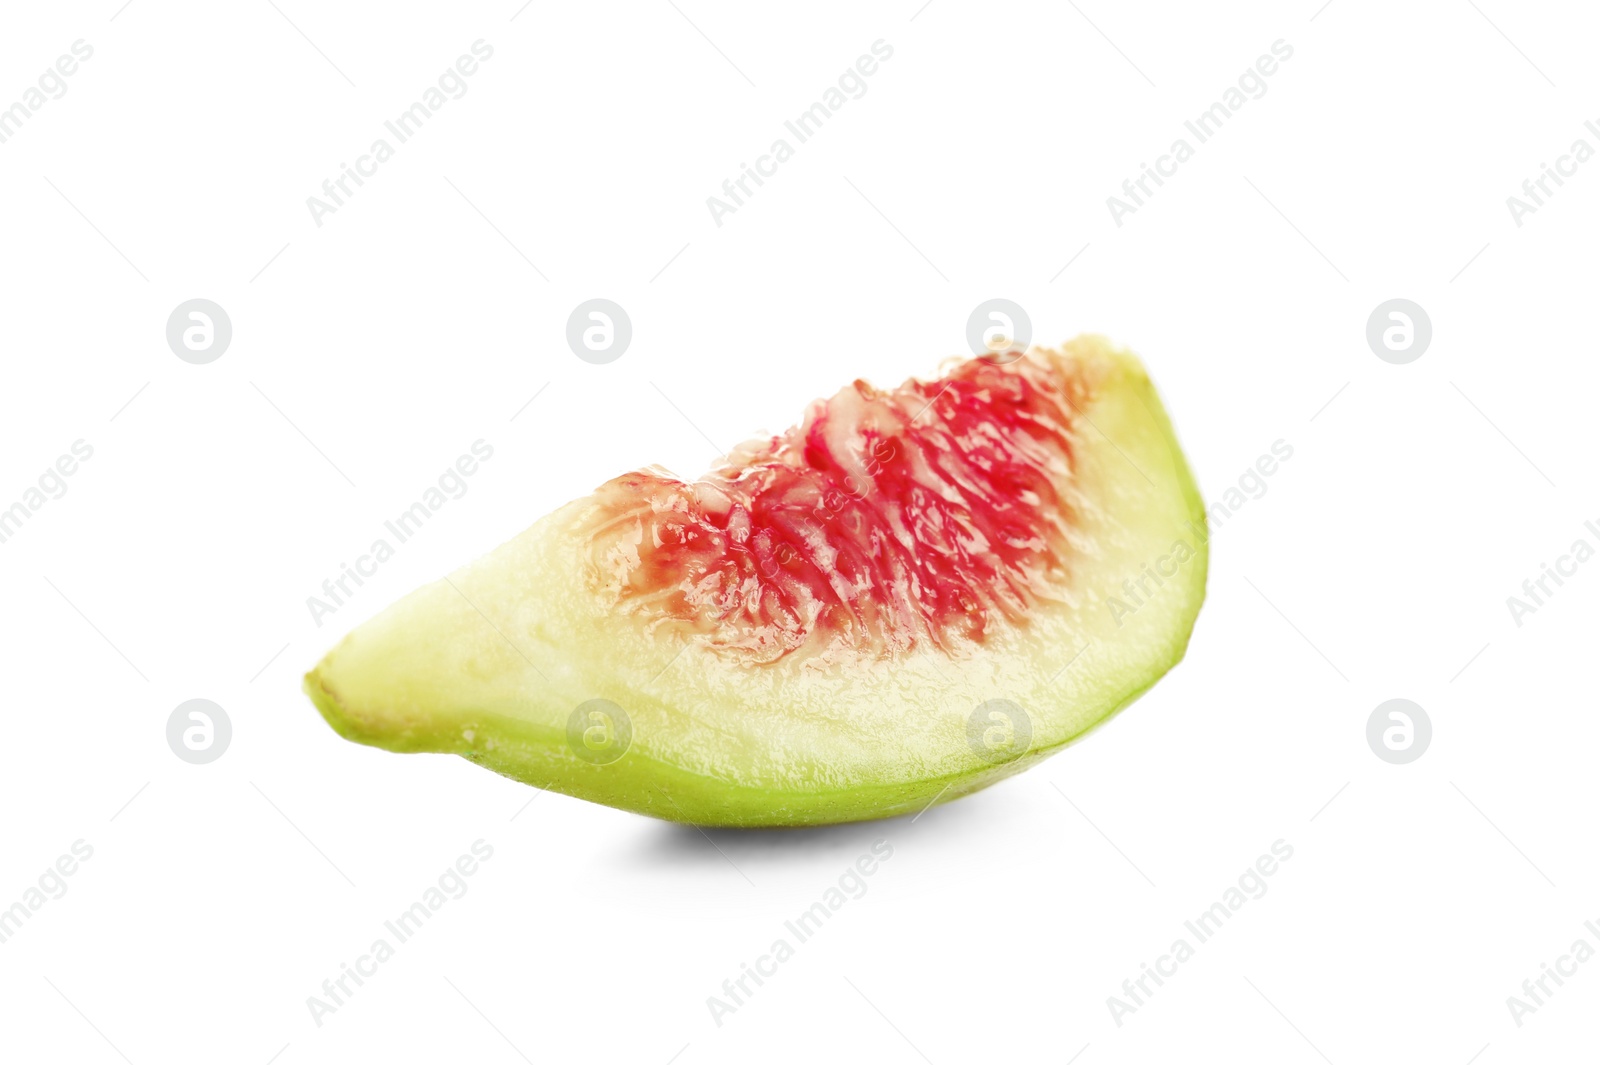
column 415, row 320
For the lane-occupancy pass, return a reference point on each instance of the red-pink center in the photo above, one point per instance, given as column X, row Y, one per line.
column 885, row 519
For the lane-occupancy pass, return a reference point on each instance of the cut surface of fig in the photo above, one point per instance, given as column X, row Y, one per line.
column 913, row 593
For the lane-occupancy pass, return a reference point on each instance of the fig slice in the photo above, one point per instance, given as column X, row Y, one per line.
column 907, row 597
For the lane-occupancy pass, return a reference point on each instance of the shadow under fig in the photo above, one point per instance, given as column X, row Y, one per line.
column 669, row 844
